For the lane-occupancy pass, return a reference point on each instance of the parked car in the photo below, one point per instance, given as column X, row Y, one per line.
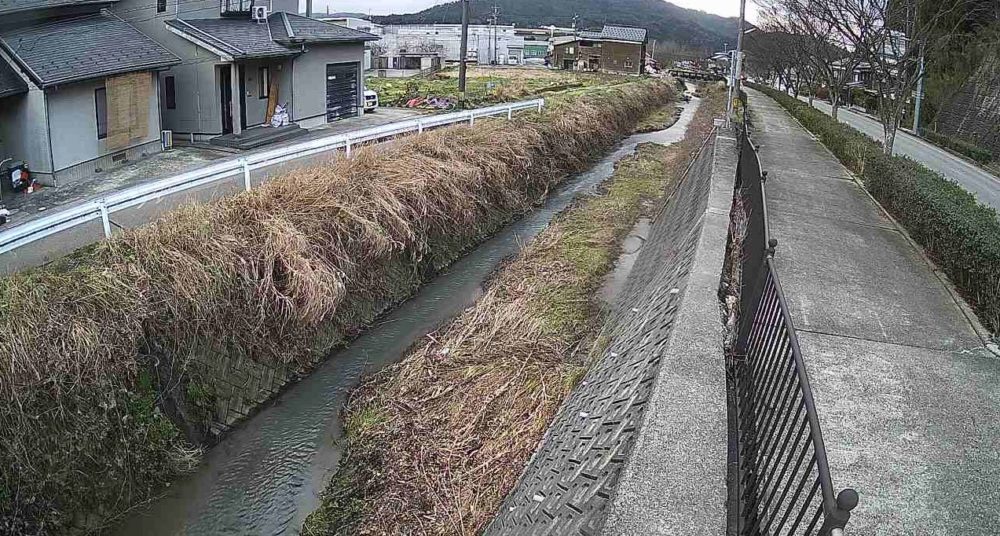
column 371, row 101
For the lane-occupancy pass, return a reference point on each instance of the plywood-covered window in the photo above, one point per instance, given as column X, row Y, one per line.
column 263, row 82
column 128, row 99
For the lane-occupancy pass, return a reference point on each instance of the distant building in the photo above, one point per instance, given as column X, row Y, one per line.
column 614, row 49
column 361, row 25
column 401, row 46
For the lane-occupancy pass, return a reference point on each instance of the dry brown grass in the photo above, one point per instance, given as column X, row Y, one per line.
column 94, row 346
column 437, row 441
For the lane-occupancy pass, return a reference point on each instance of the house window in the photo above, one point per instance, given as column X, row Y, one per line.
column 161, row 6
column 101, row 107
column 168, row 93
column 263, row 82
column 628, row 63
column 570, row 50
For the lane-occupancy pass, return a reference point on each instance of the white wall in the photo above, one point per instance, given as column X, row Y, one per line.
column 24, row 130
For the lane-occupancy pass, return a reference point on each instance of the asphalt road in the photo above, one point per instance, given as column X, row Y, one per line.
column 984, row 185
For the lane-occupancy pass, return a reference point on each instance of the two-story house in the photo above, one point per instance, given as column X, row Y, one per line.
column 78, row 87
column 614, row 49
column 237, row 66
column 88, row 84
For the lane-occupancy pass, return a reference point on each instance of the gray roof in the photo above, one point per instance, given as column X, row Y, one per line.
column 83, row 48
column 13, row 6
column 308, row 30
column 239, row 38
column 616, row 33
column 10, row 82
column 244, row 38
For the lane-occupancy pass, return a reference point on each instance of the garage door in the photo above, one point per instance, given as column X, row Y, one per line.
column 341, row 90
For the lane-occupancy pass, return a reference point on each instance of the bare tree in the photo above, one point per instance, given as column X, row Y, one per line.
column 822, row 50
column 891, row 35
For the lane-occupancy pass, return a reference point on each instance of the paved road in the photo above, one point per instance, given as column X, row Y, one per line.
column 906, row 393
column 983, row 184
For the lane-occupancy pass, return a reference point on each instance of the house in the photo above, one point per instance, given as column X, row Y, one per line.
column 78, row 88
column 102, row 78
column 241, row 60
column 614, row 49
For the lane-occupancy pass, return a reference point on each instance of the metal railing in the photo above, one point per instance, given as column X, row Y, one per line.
column 103, row 208
column 782, row 484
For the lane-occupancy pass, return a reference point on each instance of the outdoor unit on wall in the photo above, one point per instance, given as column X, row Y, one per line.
column 259, row 13
column 166, row 139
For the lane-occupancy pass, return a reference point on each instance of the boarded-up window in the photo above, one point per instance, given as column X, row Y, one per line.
column 161, row 6
column 128, row 109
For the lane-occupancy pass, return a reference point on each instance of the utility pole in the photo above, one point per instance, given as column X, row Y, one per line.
column 309, row 8
column 736, row 64
column 464, row 49
column 920, row 95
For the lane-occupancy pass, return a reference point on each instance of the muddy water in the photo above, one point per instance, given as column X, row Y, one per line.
column 266, row 476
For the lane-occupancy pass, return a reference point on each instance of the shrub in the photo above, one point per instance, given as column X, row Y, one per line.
column 960, row 234
column 974, row 152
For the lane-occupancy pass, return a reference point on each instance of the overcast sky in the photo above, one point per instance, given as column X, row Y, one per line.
column 726, row 8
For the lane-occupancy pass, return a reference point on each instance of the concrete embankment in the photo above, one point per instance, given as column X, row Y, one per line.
column 147, row 346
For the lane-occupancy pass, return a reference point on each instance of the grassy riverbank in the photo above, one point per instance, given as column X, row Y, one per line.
column 436, row 442
column 115, row 362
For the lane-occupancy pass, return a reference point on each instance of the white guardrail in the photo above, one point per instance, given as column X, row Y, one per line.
column 103, row 208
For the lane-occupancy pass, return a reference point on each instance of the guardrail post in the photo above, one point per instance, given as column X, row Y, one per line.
column 246, row 174
column 105, row 219
column 472, row 119
column 510, row 112
column 348, row 147
column 420, row 126
column 540, row 104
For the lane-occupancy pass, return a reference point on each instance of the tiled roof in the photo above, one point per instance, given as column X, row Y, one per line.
column 239, row 38
column 308, row 30
column 82, row 48
column 616, row 33
column 245, row 38
column 13, row 6
column 10, row 82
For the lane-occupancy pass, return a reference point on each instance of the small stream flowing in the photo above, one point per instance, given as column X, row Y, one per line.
column 266, row 476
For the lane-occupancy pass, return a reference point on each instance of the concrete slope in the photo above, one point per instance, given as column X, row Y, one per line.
column 985, row 185
column 908, row 397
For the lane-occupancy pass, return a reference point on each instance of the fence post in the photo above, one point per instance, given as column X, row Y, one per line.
column 246, row 174
column 105, row 219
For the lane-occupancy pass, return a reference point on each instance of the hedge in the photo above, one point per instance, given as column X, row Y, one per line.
column 983, row 156
column 959, row 233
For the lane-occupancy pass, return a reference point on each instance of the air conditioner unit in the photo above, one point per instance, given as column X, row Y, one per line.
column 259, row 13
column 166, row 139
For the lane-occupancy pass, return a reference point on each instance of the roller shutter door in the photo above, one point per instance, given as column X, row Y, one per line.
column 341, row 90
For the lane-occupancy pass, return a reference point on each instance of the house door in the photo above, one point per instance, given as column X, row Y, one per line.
column 226, row 90
column 341, row 90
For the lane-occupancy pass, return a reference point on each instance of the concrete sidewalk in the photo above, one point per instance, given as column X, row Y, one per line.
column 908, row 397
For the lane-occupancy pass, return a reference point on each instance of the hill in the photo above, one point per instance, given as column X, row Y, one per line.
column 668, row 24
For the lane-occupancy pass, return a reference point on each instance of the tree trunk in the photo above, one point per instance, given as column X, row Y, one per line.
column 834, row 109
column 890, row 139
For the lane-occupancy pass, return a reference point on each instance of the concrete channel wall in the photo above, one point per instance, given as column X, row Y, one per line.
column 640, row 446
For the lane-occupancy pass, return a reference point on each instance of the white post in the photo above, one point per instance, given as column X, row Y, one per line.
column 472, row 119
column 510, row 112
column 420, row 127
column 348, row 147
column 246, row 174
column 540, row 104
column 105, row 219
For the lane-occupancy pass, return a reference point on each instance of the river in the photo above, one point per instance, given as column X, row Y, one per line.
column 266, row 476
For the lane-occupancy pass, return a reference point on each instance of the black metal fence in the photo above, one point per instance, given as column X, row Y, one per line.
column 780, row 478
